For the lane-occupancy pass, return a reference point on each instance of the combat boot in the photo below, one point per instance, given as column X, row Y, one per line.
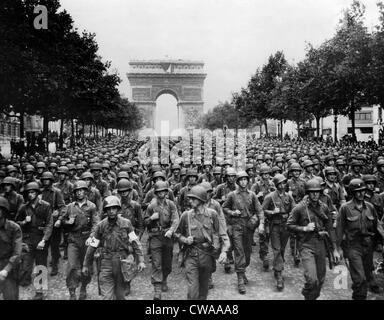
column 240, row 283
column 265, row 264
column 164, row 286
column 83, row 293
column 210, row 283
column 38, row 296
column 157, row 295
column 279, row 281
column 128, row 288
column 245, row 279
column 72, row 294
column 227, row 267
column 55, row 268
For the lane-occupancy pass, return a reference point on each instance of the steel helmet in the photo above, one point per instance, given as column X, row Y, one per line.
column 161, row 186
column 279, row 159
column 279, row 178
column 320, row 179
column 32, row 186
column 159, row 174
column 341, row 162
column 217, row 170
column 207, row 163
column 380, row 163
column 111, row 201
column 80, row 184
column 124, row 185
column 175, row 167
column 259, row 158
column 276, row 169
column 248, row 166
column 123, row 175
column 356, row 185
column 87, row 175
column 11, row 168
column 329, row 170
column 80, row 167
column 307, row 163
column 312, row 185
column 9, row 180
column 198, row 192
column 230, row 172
column 207, row 186
column 4, row 203
column 192, row 173
column 134, row 164
column 106, row 165
column 47, row 176
column 53, row 165
column 295, row 167
column 241, row 174
column 125, row 168
column 41, row 165
column 63, row 169
column 96, row 167
column 29, row 168
column 369, row 178
column 356, row 163
column 265, row 170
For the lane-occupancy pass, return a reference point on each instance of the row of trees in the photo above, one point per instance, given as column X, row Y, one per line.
column 56, row 72
column 338, row 77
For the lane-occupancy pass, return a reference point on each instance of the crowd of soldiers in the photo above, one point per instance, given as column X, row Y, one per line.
column 93, row 206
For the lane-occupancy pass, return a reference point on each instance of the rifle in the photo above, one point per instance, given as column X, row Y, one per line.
column 97, row 257
column 328, row 248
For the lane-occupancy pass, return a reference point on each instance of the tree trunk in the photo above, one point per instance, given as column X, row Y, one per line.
column 298, row 129
column 335, row 121
column 352, row 115
column 21, row 127
column 61, row 134
column 72, row 133
column 266, row 127
column 45, row 132
column 317, row 126
column 281, row 129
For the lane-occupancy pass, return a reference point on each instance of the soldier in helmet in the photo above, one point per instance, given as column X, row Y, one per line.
column 93, row 194
column 244, row 213
column 174, row 179
column 15, row 200
column 380, row 175
column 10, row 253
column 130, row 209
column 207, row 175
column 80, row 217
column 308, row 173
column 216, row 178
column 312, row 221
column 198, row 231
column 98, row 181
column 40, row 168
column 157, row 176
column 277, row 207
column 261, row 189
column 251, row 173
column 55, row 198
column 355, row 173
column 225, row 188
column 356, row 231
column 108, row 177
column 161, row 219
column 117, row 241
column 72, row 178
column 52, row 167
column 333, row 188
column 29, row 176
column 183, row 202
column 35, row 219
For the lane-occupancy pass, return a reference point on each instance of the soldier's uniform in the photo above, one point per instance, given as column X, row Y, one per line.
column 336, row 192
column 85, row 220
column 117, row 240
column 356, row 229
column 183, row 201
column 161, row 247
column 131, row 210
column 222, row 192
column 103, row 187
column 10, row 253
column 15, row 201
column 311, row 244
column 94, row 196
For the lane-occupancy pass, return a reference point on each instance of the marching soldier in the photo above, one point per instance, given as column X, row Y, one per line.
column 308, row 171
column 356, row 230
column 380, row 175
column 244, row 213
column 277, row 207
column 15, row 200
column 93, row 194
column 312, row 222
column 198, row 231
column 161, row 220
column 183, row 202
column 354, row 174
column 98, row 181
column 81, row 218
column 10, row 253
column 117, row 241
column 35, row 219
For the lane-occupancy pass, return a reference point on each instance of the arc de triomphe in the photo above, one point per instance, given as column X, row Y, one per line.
column 183, row 79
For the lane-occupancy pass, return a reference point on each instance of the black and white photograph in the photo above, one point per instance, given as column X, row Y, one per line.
column 174, row 150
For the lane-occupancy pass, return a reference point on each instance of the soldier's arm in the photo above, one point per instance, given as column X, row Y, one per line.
column 228, row 205
column 147, row 216
column 258, row 209
column 266, row 206
column 88, row 260
column 95, row 219
column 139, row 219
column 293, row 221
column 147, row 200
column 181, row 227
column 171, row 195
column 106, row 191
column 17, row 245
column 48, row 224
column 136, row 244
column 340, row 225
column 60, row 204
column 217, row 228
column 19, row 202
column 99, row 203
column 20, row 215
column 174, row 217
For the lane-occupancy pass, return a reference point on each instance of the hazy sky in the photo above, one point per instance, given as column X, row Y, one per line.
column 232, row 37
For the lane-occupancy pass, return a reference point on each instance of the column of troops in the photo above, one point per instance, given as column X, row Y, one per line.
column 91, row 206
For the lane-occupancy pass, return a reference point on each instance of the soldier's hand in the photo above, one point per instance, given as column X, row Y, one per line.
column 260, row 194
column 189, row 240
column 85, row 271
column 3, row 274
column 277, row 210
column 237, row 213
column 41, row 245
column 222, row 257
column 88, row 241
column 341, row 254
column 261, row 229
column 57, row 224
column 155, row 216
column 337, row 256
column 310, row 227
column 168, row 234
column 141, row 266
column 55, row 213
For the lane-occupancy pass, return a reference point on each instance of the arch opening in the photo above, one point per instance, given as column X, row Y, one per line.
column 166, row 114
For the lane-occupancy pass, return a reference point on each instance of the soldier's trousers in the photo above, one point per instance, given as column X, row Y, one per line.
column 198, row 266
column 313, row 257
column 112, row 284
column 76, row 254
column 54, row 243
column 242, row 246
column 34, row 256
column 9, row 287
column 263, row 242
column 279, row 239
column 162, row 254
column 361, row 265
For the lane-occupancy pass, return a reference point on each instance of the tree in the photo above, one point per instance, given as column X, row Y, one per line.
column 224, row 114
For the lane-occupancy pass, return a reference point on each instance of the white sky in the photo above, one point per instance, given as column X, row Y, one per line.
column 232, row 37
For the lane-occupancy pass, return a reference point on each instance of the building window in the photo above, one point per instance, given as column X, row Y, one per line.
column 365, row 116
column 327, row 131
